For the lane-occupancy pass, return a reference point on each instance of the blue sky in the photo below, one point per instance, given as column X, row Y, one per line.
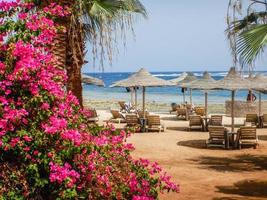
column 177, row 36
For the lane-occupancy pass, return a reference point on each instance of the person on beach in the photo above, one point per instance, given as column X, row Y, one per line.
column 251, row 97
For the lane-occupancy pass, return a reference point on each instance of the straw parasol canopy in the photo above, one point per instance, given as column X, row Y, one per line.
column 180, row 78
column 233, row 81
column 142, row 79
column 185, row 83
column 204, row 83
column 259, row 83
column 92, row 81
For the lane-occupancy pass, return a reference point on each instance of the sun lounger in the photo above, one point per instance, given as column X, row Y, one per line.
column 140, row 114
column 215, row 120
column 264, row 120
column 196, row 121
column 153, row 123
column 252, row 118
column 94, row 117
column 132, row 121
column 247, row 135
column 174, row 107
column 216, row 137
column 200, row 111
column 117, row 117
column 182, row 113
column 123, row 106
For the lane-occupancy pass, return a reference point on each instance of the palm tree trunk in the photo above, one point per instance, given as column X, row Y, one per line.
column 75, row 60
column 68, row 48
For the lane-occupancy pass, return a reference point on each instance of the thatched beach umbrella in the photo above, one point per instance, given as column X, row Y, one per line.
column 142, row 79
column 179, row 79
column 259, row 83
column 233, row 82
column 186, row 82
column 92, row 80
column 205, row 83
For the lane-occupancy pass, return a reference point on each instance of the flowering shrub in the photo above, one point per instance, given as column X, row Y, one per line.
column 48, row 150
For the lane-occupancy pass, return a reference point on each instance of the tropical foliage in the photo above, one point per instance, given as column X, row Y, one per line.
column 48, row 150
column 250, row 32
column 98, row 21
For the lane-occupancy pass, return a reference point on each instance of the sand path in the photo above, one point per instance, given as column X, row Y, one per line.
column 205, row 173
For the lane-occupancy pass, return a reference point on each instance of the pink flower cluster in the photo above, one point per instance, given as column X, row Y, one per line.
column 64, row 173
column 41, row 123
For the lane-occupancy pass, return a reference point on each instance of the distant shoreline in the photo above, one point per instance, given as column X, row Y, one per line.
column 151, row 106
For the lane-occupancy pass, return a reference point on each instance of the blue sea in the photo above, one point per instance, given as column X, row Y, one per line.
column 158, row 94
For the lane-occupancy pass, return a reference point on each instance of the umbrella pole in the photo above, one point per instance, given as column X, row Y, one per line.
column 144, row 106
column 206, row 104
column 184, row 96
column 232, row 110
column 135, row 91
column 132, row 96
column 190, row 96
column 259, row 103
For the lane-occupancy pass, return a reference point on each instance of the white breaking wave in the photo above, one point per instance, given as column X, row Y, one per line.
column 167, row 75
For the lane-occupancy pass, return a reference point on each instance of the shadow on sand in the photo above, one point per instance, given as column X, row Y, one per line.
column 235, row 164
column 178, row 128
column 246, row 188
column 262, row 137
column 172, row 118
column 199, row 144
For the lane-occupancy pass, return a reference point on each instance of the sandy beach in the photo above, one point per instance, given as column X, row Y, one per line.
column 203, row 173
column 107, row 104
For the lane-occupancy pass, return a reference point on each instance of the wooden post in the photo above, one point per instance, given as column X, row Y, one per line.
column 135, row 90
column 232, row 111
column 206, row 103
column 259, row 103
column 190, row 96
column 184, row 94
column 144, row 99
column 132, row 96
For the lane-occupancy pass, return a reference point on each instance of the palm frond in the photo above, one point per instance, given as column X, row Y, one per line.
column 251, row 43
column 104, row 20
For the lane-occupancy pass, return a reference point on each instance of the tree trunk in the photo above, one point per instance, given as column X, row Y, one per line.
column 68, row 48
column 75, row 60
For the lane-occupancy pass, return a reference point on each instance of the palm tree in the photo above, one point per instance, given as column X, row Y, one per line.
column 95, row 20
column 250, row 34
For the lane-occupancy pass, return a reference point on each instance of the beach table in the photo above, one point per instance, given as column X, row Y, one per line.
column 143, row 123
column 230, row 139
column 206, row 123
column 261, row 121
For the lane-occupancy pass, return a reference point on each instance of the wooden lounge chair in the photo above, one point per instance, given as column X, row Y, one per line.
column 215, row 120
column 252, row 118
column 94, row 117
column 247, row 135
column 153, row 123
column 264, row 120
column 196, row 121
column 182, row 113
column 200, row 111
column 117, row 117
column 123, row 106
column 217, row 137
column 132, row 121
column 140, row 114
column 174, row 107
